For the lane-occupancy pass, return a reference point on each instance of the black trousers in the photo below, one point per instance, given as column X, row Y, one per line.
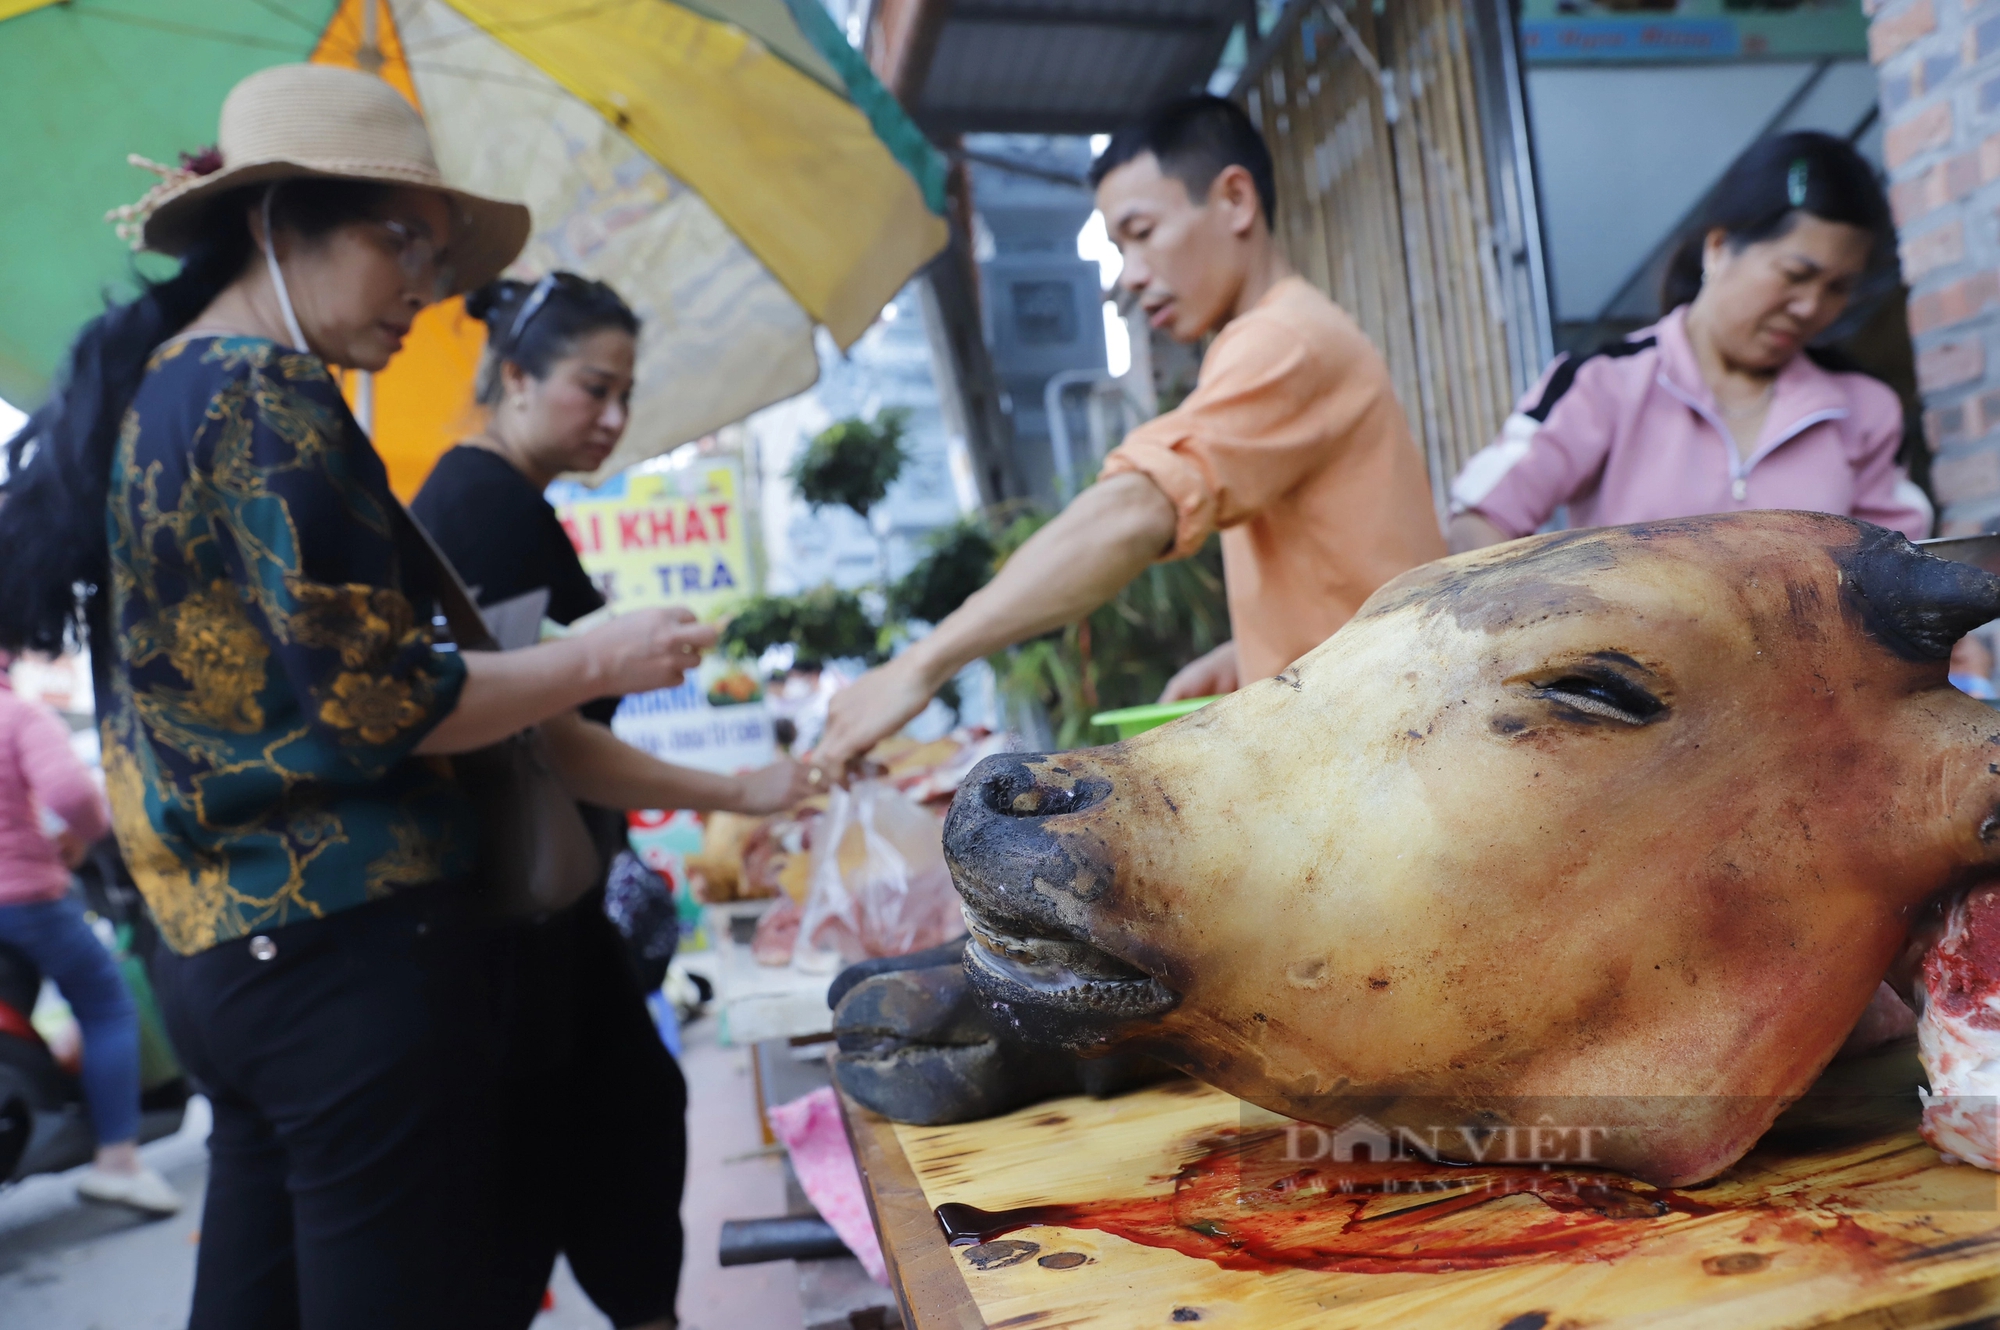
column 598, row 1107
column 359, row 1171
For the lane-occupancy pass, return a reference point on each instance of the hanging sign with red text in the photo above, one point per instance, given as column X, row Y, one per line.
column 662, row 537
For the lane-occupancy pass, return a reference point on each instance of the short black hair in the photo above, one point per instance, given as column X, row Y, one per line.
column 1768, row 187
column 570, row 309
column 1194, row 138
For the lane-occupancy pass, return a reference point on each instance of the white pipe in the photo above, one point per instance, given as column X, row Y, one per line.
column 1059, row 446
column 364, row 401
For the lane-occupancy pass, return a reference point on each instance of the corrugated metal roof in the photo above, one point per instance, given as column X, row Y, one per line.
column 1067, row 66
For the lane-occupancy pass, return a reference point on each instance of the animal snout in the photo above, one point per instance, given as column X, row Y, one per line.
column 1012, row 788
column 1009, row 847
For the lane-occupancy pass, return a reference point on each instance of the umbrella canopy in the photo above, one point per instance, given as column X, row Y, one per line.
column 729, row 165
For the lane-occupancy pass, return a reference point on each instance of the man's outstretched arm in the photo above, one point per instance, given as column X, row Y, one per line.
column 1067, row 569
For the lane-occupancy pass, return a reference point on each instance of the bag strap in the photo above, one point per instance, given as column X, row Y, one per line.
column 468, row 625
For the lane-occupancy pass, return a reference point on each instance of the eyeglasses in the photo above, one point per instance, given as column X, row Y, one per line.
column 420, row 257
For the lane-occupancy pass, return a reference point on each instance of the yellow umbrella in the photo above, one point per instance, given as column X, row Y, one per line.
column 731, row 166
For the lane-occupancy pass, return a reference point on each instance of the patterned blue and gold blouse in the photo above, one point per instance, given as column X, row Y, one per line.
column 274, row 664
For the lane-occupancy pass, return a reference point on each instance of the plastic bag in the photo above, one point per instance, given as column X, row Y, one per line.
column 777, row 935
column 879, row 886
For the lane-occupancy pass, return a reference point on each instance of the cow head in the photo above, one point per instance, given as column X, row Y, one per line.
column 1629, row 813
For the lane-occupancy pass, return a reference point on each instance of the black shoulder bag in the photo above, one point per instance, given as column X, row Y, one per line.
column 536, row 855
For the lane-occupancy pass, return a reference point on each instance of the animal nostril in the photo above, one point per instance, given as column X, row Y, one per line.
column 1017, row 792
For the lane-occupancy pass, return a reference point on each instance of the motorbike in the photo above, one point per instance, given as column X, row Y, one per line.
column 44, row 1127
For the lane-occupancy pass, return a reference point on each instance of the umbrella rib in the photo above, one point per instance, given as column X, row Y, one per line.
column 472, row 32
column 489, row 76
column 187, row 29
column 272, row 7
column 531, row 24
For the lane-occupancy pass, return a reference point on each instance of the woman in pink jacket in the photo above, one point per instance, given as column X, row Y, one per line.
column 40, row 918
column 1720, row 406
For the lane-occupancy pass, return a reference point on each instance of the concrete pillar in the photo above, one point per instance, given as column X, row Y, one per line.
column 1939, row 65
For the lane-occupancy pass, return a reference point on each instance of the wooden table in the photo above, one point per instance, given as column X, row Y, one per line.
column 1855, row 1225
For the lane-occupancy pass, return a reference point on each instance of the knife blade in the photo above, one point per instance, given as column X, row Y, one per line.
column 1979, row 551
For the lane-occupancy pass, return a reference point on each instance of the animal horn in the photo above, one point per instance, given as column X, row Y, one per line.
column 1914, row 603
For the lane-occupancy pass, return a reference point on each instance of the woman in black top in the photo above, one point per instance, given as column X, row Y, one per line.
column 556, row 396
column 600, row 1104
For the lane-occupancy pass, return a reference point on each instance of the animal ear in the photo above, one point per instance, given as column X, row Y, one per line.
column 1915, row 604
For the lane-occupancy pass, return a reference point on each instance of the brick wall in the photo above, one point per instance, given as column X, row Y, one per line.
column 1939, row 63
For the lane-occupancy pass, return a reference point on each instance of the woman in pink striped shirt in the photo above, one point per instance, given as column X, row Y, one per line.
column 40, row 918
column 1720, row 406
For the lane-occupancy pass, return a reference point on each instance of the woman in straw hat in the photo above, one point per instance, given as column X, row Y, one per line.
column 197, row 499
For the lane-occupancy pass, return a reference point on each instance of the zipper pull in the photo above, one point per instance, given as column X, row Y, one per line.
column 1739, row 489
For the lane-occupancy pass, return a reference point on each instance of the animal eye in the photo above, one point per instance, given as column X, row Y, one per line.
column 1608, row 695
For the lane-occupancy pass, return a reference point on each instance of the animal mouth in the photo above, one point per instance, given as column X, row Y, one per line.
column 1054, row 988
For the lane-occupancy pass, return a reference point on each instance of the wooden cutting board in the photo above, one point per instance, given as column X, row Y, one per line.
column 1841, row 1217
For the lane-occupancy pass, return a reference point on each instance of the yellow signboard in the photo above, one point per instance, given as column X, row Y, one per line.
column 662, row 537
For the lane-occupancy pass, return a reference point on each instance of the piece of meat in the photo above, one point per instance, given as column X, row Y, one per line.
column 941, row 781
column 1958, row 1033
column 777, row 934
column 716, row 870
column 777, row 853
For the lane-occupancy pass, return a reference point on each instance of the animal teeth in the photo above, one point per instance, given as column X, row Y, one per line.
column 1109, row 995
column 1055, row 962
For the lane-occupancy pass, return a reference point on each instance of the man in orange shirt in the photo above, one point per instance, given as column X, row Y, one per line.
column 1292, row 443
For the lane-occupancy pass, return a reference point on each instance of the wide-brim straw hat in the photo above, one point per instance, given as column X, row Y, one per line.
column 320, row 121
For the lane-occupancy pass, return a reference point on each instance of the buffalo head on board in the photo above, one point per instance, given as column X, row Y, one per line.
column 1637, row 816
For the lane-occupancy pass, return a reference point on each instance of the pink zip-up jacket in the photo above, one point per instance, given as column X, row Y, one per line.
column 39, row 770
column 1631, row 433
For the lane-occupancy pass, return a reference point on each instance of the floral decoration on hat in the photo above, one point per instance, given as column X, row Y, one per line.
column 130, row 219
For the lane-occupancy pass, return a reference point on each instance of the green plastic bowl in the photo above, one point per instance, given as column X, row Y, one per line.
column 1137, row 720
